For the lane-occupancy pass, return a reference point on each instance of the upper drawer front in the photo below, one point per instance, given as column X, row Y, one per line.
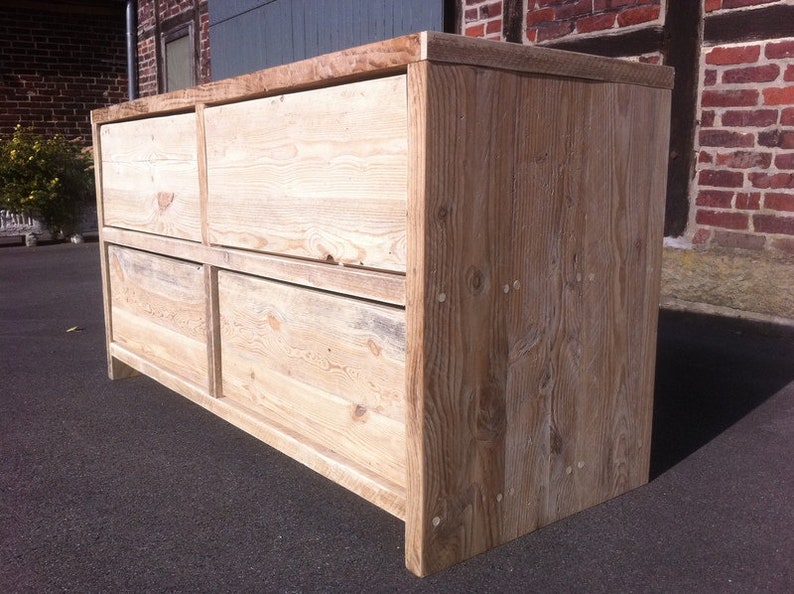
column 318, row 174
column 150, row 176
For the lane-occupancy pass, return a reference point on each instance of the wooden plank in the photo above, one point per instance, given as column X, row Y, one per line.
column 116, row 369
column 357, row 353
column 741, row 26
column 318, row 174
column 389, row 57
column 158, row 311
column 529, row 394
column 385, row 494
column 619, row 44
column 682, row 47
column 456, row 350
column 376, row 59
column 150, row 176
column 338, row 381
column 368, row 284
column 455, row 49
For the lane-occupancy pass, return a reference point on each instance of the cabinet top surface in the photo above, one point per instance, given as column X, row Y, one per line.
column 391, row 56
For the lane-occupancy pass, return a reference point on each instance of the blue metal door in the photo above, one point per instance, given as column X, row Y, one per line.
column 247, row 35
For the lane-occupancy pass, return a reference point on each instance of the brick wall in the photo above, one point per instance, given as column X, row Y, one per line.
column 743, row 192
column 546, row 20
column 59, row 65
column 156, row 17
column 741, row 187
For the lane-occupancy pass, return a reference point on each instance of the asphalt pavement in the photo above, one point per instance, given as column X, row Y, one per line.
column 126, row 486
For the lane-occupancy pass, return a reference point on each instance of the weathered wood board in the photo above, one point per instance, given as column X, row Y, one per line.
column 318, row 174
column 158, row 311
column 149, row 176
column 427, row 268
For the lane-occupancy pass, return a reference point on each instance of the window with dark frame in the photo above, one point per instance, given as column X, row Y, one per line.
column 177, row 58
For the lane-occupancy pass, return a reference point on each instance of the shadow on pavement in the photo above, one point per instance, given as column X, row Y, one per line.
column 711, row 371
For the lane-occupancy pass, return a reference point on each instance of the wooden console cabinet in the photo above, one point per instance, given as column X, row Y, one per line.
column 427, row 268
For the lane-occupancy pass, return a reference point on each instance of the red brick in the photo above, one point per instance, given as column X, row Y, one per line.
column 471, row 14
column 787, row 117
column 751, row 74
column 751, row 118
column 743, row 3
column 489, row 11
column 744, row 159
column 779, row 96
column 742, row 241
column 710, row 78
column 712, row 5
column 650, row 59
column 635, row 16
column 542, row 15
column 774, row 181
column 701, row 236
column 777, row 138
column 725, row 138
column 779, row 201
column 707, row 119
column 599, row 5
column 788, row 75
column 714, row 198
column 721, row 178
column 598, row 22
column 493, row 26
column 779, row 50
column 773, row 224
column 475, row 31
column 744, row 54
column 785, row 161
column 705, row 157
column 576, row 9
column 730, row 98
column 748, row 201
column 554, row 30
column 724, row 219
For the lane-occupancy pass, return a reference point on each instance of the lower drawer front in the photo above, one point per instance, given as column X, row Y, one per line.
column 158, row 311
column 329, row 368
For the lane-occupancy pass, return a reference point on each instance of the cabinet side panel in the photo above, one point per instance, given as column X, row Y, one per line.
column 532, row 300
column 150, row 176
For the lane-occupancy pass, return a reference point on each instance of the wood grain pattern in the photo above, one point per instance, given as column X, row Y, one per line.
column 356, row 282
column 319, row 174
column 150, row 176
column 387, row 57
column 533, row 349
column 158, row 311
column 330, row 367
column 482, row 364
column 374, row 488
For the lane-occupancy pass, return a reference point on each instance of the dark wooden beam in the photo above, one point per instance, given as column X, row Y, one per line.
column 513, row 21
column 771, row 22
column 452, row 17
column 681, row 50
column 631, row 43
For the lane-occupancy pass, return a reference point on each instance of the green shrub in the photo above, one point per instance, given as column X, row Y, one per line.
column 50, row 179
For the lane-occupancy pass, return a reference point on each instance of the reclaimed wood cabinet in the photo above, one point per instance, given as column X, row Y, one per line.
column 427, row 268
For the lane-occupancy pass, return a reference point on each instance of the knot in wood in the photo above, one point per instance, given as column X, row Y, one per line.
column 164, row 199
column 475, row 280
